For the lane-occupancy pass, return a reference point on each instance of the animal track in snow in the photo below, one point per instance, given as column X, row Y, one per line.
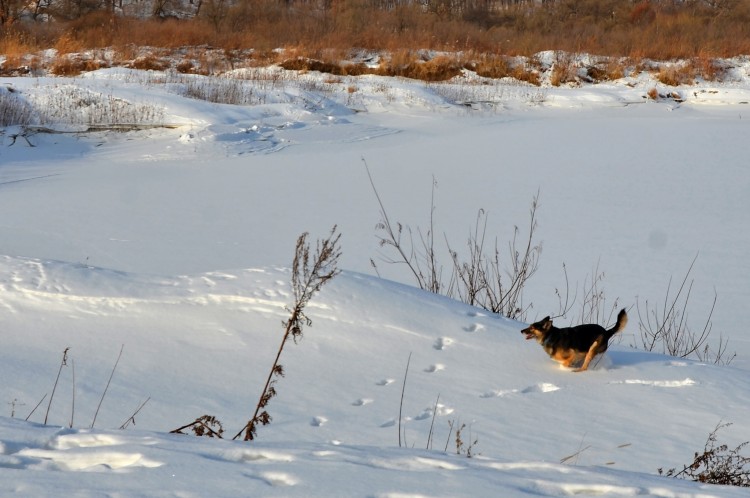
column 385, row 382
column 68, row 441
column 498, row 393
column 442, row 343
column 474, row 327
column 73, row 451
column 542, row 387
column 276, row 478
column 362, row 402
column 256, row 456
column 84, row 460
column 418, row 464
column 318, row 421
column 428, row 412
column 435, row 368
column 658, row 383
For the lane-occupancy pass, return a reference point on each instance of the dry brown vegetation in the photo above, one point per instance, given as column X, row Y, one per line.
column 482, row 35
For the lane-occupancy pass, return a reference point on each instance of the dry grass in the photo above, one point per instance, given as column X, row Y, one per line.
column 676, row 74
column 611, row 69
column 73, row 66
column 564, row 70
column 488, row 39
column 657, row 30
column 150, row 62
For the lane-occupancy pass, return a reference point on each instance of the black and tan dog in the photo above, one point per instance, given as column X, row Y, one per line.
column 574, row 345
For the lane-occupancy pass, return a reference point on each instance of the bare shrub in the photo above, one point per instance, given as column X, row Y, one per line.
column 716, row 464
column 423, row 266
column 482, row 279
column 594, row 306
column 667, row 330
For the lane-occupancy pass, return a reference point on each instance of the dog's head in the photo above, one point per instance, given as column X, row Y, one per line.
column 538, row 329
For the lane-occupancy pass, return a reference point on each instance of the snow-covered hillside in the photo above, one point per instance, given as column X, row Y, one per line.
column 173, row 244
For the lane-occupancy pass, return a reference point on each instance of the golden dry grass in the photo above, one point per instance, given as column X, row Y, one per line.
column 486, row 38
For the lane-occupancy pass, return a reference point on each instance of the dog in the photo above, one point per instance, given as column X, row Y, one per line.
column 574, row 345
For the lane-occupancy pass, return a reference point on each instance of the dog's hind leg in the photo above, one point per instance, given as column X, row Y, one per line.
column 590, row 355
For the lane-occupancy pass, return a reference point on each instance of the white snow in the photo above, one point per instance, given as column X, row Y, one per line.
column 174, row 244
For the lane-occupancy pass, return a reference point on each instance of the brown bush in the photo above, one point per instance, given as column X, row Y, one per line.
column 707, row 68
column 528, row 75
column 185, row 67
column 73, row 66
column 490, row 66
column 564, row 70
column 149, row 62
column 676, row 74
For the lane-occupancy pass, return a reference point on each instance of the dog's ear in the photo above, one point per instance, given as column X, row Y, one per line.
column 546, row 324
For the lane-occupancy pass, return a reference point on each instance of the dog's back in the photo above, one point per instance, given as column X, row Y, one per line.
column 579, row 337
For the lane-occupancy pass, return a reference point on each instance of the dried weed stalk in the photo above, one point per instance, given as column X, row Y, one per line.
column 309, row 273
column 63, row 363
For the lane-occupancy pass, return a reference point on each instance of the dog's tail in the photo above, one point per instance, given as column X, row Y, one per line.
column 622, row 320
